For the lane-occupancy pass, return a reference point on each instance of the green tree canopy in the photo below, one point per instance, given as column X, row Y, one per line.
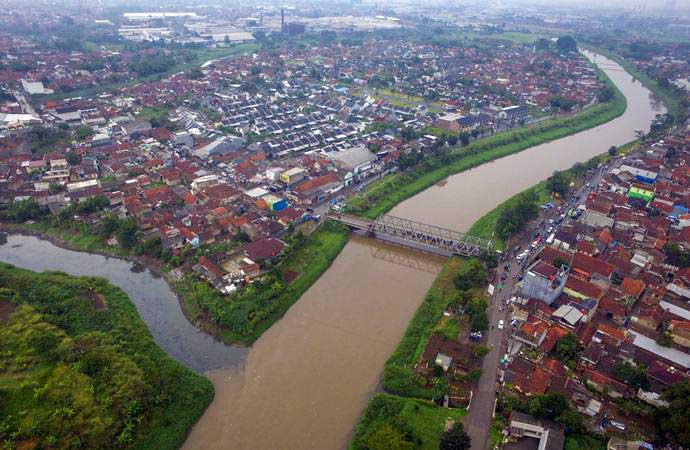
column 455, row 438
column 566, row 44
column 673, row 420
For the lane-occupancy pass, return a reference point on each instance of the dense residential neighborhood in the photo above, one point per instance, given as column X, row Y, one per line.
column 329, row 224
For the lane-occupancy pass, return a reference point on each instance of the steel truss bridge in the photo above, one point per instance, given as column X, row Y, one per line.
column 417, row 235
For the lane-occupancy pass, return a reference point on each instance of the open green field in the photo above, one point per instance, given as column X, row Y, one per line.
column 79, row 369
column 383, row 195
column 423, row 420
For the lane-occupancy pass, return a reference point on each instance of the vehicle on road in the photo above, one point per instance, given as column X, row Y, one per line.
column 618, row 424
column 500, row 324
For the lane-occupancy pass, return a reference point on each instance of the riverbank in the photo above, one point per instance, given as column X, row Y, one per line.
column 669, row 98
column 398, row 380
column 78, row 242
column 404, row 385
column 113, row 372
column 381, row 196
column 486, row 226
column 202, row 305
column 258, row 306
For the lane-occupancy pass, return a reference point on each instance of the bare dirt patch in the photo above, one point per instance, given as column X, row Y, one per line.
column 96, row 299
column 6, row 308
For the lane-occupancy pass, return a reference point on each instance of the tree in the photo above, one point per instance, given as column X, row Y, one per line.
column 439, row 388
column 455, row 438
column 542, row 44
column 605, row 94
column 474, row 375
column 560, row 262
column 557, row 183
column 566, row 44
column 665, row 339
column 613, row 150
column 673, row 419
column 54, row 188
column 127, row 234
column 566, row 350
column 480, row 351
column 82, row 132
column 72, row 158
column 676, row 255
column 195, row 74
column 633, row 376
column 386, row 438
column 464, row 138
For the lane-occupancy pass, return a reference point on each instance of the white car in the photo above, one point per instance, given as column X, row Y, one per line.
column 500, row 324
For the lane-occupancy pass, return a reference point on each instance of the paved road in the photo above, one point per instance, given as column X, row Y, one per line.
column 478, row 421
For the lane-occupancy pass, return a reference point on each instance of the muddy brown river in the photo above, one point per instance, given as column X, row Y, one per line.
column 306, row 380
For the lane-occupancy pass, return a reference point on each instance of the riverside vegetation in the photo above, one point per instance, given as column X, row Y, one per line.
column 245, row 315
column 405, row 413
column 79, row 369
column 381, row 196
column 387, row 413
column 239, row 318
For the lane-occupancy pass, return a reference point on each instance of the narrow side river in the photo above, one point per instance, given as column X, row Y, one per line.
column 305, row 381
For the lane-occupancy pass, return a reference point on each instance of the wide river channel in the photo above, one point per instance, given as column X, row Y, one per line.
column 303, row 384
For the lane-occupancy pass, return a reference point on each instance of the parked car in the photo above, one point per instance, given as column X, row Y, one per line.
column 618, row 424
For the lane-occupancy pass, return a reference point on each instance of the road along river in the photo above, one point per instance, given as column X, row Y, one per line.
column 305, row 381
column 308, row 378
column 461, row 199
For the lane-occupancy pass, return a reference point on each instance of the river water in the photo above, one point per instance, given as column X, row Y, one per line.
column 461, row 199
column 306, row 380
column 156, row 303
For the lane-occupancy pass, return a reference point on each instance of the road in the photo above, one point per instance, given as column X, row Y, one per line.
column 478, row 421
column 25, row 104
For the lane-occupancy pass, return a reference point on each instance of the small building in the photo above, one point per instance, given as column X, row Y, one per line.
column 292, row 176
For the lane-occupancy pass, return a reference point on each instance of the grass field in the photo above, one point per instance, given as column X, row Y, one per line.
column 423, row 420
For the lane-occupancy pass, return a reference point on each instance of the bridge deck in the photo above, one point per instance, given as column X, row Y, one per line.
column 418, row 236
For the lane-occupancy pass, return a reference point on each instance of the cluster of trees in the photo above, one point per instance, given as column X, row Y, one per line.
column 633, row 376
column 472, row 275
column 552, row 406
column 677, row 255
column 19, row 212
column 567, row 350
column 673, row 419
column 73, row 375
column 151, row 64
column 562, row 103
column 45, row 139
column 516, row 215
column 558, row 183
column 605, row 94
column 566, row 44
